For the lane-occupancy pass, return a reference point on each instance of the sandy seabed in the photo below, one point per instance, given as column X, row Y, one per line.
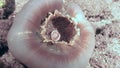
column 104, row 15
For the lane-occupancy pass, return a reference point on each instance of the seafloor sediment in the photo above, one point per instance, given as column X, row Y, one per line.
column 104, row 15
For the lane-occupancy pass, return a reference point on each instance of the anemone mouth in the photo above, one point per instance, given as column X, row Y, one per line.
column 64, row 27
column 58, row 28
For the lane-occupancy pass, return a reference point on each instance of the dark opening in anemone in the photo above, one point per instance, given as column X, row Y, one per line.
column 64, row 27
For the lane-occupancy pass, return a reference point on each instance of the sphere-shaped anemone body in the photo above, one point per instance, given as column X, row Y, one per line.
column 56, row 42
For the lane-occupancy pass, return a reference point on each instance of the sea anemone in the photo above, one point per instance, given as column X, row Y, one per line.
column 44, row 37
